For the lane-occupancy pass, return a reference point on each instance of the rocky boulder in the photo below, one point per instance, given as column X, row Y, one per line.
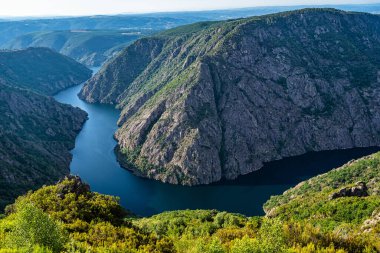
column 359, row 190
column 72, row 184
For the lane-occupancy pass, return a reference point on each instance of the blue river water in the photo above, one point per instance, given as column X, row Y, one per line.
column 94, row 160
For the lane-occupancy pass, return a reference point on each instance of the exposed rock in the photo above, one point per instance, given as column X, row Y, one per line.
column 125, row 68
column 72, row 184
column 220, row 101
column 359, row 190
column 371, row 223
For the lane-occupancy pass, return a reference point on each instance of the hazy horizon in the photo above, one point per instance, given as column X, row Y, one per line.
column 50, row 8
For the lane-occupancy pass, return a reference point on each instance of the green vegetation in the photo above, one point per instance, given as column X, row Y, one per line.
column 188, row 29
column 31, row 227
column 69, row 217
column 311, row 200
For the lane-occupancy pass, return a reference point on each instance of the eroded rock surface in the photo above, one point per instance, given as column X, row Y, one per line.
column 217, row 100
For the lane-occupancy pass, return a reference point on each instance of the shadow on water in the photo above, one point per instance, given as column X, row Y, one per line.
column 293, row 170
column 94, row 160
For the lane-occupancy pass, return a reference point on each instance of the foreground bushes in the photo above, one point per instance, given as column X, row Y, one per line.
column 68, row 217
column 31, row 230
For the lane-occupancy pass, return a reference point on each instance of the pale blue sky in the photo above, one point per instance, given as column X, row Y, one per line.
column 90, row 7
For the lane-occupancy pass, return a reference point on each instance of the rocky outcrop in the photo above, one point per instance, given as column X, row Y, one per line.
column 41, row 70
column 36, row 135
column 217, row 100
column 359, row 190
column 116, row 77
column 72, row 184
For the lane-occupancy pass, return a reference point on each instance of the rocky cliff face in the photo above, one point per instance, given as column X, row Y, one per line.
column 217, row 100
column 40, row 70
column 36, row 134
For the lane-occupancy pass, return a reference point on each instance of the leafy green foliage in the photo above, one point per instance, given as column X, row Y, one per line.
column 317, row 192
column 340, row 220
column 30, row 227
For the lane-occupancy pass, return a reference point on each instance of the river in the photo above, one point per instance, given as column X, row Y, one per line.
column 95, row 162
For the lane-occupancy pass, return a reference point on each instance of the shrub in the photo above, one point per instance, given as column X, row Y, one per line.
column 245, row 245
column 31, row 228
column 271, row 236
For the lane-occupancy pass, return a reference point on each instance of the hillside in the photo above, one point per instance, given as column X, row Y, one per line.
column 216, row 100
column 306, row 219
column 40, row 70
column 36, row 134
column 89, row 47
column 349, row 193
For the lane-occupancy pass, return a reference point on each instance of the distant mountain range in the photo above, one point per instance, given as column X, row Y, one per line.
column 105, row 34
column 90, row 47
column 215, row 14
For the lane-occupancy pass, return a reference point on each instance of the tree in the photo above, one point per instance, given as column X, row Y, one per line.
column 32, row 227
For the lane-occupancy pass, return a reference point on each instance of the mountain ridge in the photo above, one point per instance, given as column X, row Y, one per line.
column 41, row 70
column 89, row 47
